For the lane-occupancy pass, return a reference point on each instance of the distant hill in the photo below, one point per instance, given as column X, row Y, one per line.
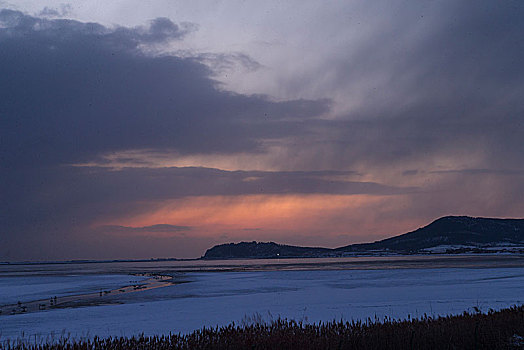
column 450, row 234
column 262, row 250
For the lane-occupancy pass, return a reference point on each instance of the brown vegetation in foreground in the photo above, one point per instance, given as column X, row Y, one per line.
column 495, row 330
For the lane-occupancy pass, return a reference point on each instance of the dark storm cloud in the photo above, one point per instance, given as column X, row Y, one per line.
column 53, row 203
column 83, row 194
column 165, row 183
column 72, row 91
column 62, row 32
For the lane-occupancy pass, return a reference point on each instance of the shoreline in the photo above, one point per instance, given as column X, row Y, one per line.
column 159, row 260
column 86, row 299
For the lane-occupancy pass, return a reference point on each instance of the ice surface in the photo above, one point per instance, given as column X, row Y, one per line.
column 218, row 298
column 27, row 288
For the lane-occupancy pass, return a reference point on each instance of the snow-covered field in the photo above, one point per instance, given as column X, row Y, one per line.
column 218, row 298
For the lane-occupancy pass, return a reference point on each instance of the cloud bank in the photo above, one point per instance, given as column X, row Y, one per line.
column 435, row 127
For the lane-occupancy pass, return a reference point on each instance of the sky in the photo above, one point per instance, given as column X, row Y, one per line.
column 150, row 129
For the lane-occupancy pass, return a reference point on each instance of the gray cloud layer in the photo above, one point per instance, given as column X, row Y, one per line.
column 72, row 91
column 450, row 88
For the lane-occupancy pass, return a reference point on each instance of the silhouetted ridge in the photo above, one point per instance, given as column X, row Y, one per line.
column 453, row 230
column 449, row 234
column 261, row 250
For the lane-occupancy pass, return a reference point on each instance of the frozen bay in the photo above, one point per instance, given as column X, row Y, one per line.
column 218, row 293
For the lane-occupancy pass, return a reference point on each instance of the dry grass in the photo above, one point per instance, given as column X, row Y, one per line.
column 495, row 330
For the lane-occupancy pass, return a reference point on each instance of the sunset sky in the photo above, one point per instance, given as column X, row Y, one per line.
column 138, row 129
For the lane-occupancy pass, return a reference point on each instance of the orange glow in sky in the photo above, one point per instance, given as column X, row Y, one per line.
column 333, row 219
